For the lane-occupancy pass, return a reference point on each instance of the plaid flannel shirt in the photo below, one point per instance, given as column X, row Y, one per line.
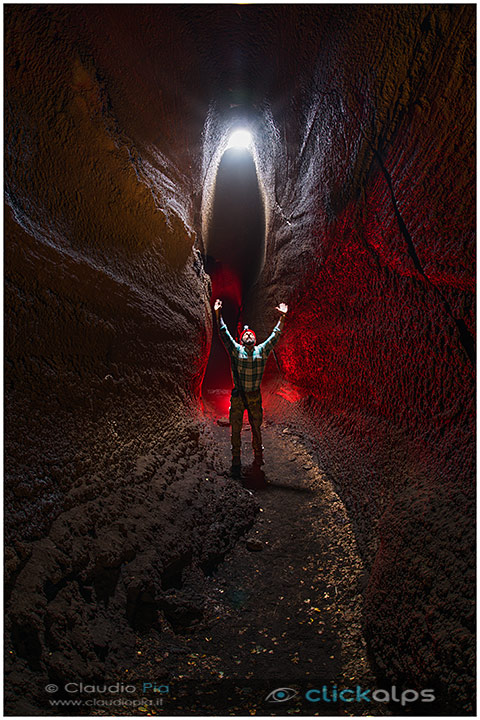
column 248, row 366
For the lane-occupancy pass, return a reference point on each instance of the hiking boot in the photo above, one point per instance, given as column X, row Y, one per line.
column 236, row 468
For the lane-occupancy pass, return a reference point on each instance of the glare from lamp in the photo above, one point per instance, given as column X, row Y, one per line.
column 240, row 140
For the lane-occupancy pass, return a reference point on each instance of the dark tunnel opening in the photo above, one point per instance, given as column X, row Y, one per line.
column 235, row 251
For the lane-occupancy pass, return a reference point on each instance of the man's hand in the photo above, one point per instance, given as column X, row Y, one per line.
column 217, row 307
column 282, row 309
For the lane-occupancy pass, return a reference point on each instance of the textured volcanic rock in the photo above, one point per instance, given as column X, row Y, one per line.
column 116, row 120
column 108, row 334
column 114, row 565
column 380, row 328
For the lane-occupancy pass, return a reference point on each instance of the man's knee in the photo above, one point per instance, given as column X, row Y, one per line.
column 236, row 428
column 255, row 413
column 235, row 414
column 255, row 420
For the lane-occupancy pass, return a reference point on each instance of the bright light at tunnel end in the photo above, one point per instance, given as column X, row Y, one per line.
column 240, row 140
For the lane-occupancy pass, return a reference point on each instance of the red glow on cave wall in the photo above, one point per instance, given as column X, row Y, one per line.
column 367, row 331
column 289, row 393
column 217, row 381
column 226, row 285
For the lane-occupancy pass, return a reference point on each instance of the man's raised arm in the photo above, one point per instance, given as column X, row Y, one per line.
column 271, row 341
column 225, row 336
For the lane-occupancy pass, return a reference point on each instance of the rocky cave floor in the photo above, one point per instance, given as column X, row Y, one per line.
column 283, row 609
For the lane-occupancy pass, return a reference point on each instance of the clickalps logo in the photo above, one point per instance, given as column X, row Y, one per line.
column 358, row 694
column 332, row 694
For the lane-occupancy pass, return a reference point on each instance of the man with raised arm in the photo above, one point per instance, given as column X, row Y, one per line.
column 248, row 362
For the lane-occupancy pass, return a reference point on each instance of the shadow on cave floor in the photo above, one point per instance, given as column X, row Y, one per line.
column 284, row 608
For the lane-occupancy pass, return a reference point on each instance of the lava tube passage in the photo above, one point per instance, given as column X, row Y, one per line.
column 235, row 250
column 208, row 520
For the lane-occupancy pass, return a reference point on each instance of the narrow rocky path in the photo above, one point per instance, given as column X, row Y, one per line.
column 283, row 609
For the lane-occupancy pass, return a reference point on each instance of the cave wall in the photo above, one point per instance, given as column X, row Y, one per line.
column 372, row 244
column 364, row 145
column 107, row 331
column 363, row 119
column 110, row 322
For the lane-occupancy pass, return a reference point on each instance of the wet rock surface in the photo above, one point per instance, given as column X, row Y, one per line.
column 293, row 611
column 111, row 567
column 416, row 546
